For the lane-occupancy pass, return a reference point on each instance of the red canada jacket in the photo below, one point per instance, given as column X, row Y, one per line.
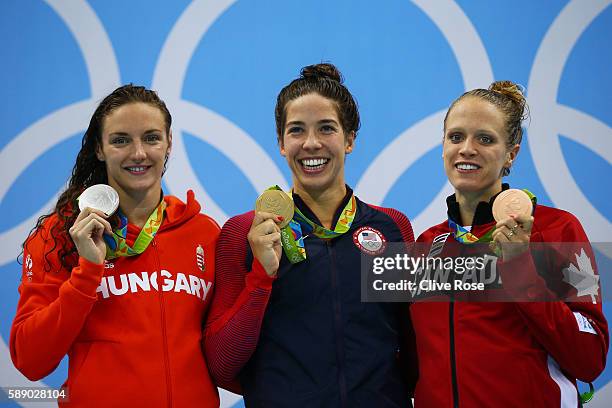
column 511, row 354
column 132, row 327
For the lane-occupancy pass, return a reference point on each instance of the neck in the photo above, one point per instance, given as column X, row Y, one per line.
column 324, row 203
column 468, row 202
column 138, row 208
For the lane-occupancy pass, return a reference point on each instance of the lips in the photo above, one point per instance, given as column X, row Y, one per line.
column 137, row 170
column 313, row 164
column 466, row 166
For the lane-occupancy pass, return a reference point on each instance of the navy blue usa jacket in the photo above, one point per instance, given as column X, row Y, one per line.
column 312, row 341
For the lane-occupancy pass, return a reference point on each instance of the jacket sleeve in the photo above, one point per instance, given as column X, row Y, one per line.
column 52, row 308
column 240, row 299
column 573, row 330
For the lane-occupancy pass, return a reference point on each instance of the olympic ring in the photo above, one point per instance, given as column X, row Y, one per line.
column 409, row 146
column 551, row 119
column 378, row 179
column 102, row 68
column 202, row 122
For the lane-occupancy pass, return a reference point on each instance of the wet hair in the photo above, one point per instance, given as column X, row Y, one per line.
column 509, row 99
column 89, row 170
column 323, row 79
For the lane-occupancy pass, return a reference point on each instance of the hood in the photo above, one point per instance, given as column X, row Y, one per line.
column 178, row 212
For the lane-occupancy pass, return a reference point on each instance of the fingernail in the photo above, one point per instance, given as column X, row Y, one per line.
column 280, row 218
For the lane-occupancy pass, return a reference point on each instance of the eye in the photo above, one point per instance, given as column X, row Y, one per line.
column 119, row 140
column 455, row 137
column 486, row 139
column 328, row 129
column 293, row 130
column 152, row 138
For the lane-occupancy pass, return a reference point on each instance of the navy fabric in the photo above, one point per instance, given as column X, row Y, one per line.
column 319, row 345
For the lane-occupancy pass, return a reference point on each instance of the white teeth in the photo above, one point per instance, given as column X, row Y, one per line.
column 314, row 162
column 466, row 166
column 136, row 169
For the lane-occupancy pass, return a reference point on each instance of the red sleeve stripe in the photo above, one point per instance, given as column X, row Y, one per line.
column 400, row 220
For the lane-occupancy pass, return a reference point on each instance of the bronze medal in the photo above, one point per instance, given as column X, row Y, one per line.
column 276, row 202
column 511, row 201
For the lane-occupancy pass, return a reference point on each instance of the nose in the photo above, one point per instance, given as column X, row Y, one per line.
column 468, row 147
column 312, row 141
column 138, row 151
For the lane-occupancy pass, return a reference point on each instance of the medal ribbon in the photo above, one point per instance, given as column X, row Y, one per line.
column 300, row 226
column 116, row 244
column 464, row 236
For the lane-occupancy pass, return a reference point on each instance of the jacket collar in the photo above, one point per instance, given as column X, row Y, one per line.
column 484, row 210
column 299, row 203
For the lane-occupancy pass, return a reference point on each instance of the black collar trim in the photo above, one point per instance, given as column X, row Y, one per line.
column 484, row 210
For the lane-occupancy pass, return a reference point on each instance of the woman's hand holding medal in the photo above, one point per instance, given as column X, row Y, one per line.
column 512, row 211
column 87, row 231
column 95, row 203
column 273, row 211
column 265, row 241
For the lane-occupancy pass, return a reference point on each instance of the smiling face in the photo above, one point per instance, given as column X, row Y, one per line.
column 315, row 145
column 475, row 149
column 134, row 147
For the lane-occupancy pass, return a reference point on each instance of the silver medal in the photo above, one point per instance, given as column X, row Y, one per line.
column 99, row 197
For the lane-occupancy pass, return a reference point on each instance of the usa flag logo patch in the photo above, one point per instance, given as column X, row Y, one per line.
column 370, row 240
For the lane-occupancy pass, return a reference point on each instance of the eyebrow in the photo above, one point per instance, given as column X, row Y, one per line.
column 328, row 121
column 323, row 121
column 127, row 134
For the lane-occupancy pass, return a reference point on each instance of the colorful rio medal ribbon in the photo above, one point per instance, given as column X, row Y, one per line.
column 116, row 244
column 294, row 227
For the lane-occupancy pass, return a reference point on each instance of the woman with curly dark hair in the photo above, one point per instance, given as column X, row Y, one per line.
column 123, row 295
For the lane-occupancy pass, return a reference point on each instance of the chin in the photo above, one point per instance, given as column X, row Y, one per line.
column 313, row 184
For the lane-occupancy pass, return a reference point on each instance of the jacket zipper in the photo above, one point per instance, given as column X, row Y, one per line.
column 162, row 311
column 451, row 324
column 338, row 326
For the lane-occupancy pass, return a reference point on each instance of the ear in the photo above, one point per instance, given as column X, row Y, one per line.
column 169, row 143
column 281, row 146
column 511, row 155
column 99, row 153
column 349, row 143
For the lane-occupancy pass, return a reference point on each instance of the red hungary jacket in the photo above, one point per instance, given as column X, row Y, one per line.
column 132, row 328
column 510, row 354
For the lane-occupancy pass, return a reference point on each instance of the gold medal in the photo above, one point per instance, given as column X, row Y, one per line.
column 511, row 201
column 276, row 202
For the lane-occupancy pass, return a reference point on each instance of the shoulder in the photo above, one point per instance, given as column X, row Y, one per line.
column 545, row 215
column 179, row 212
column 48, row 230
column 208, row 222
column 433, row 232
column 238, row 226
column 398, row 218
column 46, row 245
column 555, row 224
column 233, row 246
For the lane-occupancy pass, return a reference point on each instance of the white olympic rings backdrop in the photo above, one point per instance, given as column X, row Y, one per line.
column 219, row 65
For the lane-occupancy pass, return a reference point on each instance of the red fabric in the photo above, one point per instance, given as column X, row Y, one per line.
column 400, row 219
column 241, row 295
column 132, row 328
column 502, row 350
